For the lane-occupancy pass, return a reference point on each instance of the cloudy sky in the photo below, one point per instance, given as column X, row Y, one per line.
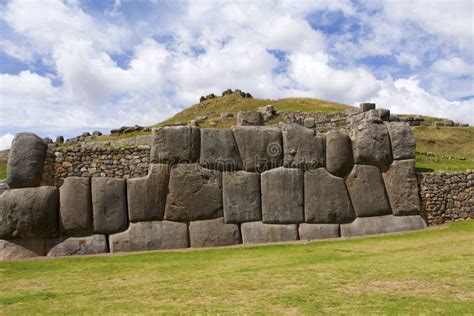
column 80, row 65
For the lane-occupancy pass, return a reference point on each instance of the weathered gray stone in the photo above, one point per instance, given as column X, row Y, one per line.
column 178, row 144
column 384, row 114
column 302, row 148
column 382, row 224
column 247, row 118
column 259, row 233
column 367, row 191
column 195, row 193
column 402, row 187
column 29, row 213
column 109, row 205
column 309, row 122
column 326, row 198
column 146, row 196
column 282, row 196
column 241, row 197
column 213, row 233
column 402, row 140
column 339, row 156
column 373, row 116
column 219, row 150
column 367, row 106
column 90, row 245
column 25, row 161
column 371, row 144
column 260, row 147
column 75, row 207
column 318, row 231
column 156, row 235
column 4, row 187
column 11, row 250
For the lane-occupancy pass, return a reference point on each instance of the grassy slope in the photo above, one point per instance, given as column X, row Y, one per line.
column 422, row 272
column 3, row 171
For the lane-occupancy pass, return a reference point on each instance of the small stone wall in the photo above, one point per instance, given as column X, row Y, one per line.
column 446, row 197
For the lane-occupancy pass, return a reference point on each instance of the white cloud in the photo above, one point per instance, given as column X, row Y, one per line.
column 453, row 66
column 409, row 59
column 5, row 141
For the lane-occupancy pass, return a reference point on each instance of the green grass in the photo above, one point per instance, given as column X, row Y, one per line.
column 445, row 141
column 3, row 171
column 436, row 164
column 425, row 272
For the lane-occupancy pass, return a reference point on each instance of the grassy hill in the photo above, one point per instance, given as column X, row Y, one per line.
column 424, row 272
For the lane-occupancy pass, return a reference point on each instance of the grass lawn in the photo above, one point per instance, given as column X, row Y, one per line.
column 3, row 171
column 425, row 272
column 437, row 164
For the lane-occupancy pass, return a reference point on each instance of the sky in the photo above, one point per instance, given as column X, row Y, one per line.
column 81, row 65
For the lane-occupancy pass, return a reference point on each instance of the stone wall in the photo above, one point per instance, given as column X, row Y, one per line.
column 446, row 197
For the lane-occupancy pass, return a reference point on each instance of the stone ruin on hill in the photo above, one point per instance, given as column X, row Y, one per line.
column 219, row 187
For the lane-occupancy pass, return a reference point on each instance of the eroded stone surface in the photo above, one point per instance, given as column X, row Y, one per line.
column 302, row 148
column 402, row 140
column 219, row 150
column 75, row 207
column 72, row 246
column 258, row 233
column 339, row 157
column 249, row 118
column 178, row 144
column 382, row 224
column 371, row 144
column 213, row 233
column 11, row 250
column 318, row 231
column 241, row 197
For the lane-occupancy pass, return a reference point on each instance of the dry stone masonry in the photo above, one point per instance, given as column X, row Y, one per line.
column 211, row 188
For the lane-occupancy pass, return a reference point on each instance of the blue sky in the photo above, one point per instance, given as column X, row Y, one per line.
column 73, row 66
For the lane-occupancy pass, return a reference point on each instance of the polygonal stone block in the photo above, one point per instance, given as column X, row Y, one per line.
column 382, row 224
column 371, row 144
column 213, row 233
column 219, row 150
column 75, row 207
column 402, row 140
column 109, row 205
column 282, row 196
column 73, row 246
column 367, row 191
column 326, row 198
column 402, row 187
column 302, row 148
column 339, row 157
column 248, row 118
column 318, row 231
column 146, row 196
column 241, row 197
column 29, row 213
column 195, row 193
column 11, row 250
column 259, row 233
column 173, row 145
column 155, row 235
column 367, row 106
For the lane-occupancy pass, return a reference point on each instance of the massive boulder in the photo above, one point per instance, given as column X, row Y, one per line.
column 282, row 196
column 402, row 187
column 90, row 245
column 367, row 107
column 178, row 144
column 12, row 250
column 402, row 140
column 259, row 233
column 109, row 205
column 213, row 233
column 156, row 235
column 382, row 224
column 249, row 118
column 29, row 213
column 146, row 196
column 339, row 157
column 318, row 231
column 302, row 148
column 75, row 207
column 195, row 193
column 26, row 161
column 371, row 144
column 367, row 191
column 260, row 147
column 241, row 197
column 326, row 198
column 219, row 150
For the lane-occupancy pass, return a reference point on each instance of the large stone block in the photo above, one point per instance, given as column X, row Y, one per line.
column 382, row 224
column 259, row 233
column 318, row 231
column 72, row 246
column 248, row 118
column 282, row 196
column 213, row 233
column 156, row 235
column 219, row 150
column 326, row 198
column 302, row 148
column 75, row 207
column 241, row 197
column 260, row 147
column 146, row 196
column 109, row 205
column 178, row 144
column 195, row 193
column 371, row 144
column 402, row 140
column 29, row 213
column 339, row 156
column 367, row 191
column 402, row 187
column 25, row 161
column 11, row 250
